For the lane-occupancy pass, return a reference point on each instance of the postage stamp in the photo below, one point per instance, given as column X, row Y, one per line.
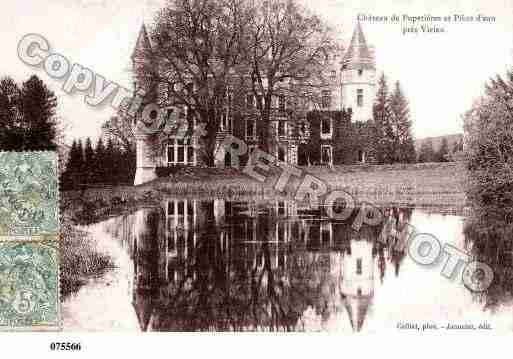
column 29, row 206
column 29, row 285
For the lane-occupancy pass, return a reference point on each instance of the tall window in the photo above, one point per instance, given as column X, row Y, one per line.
column 230, row 99
column 225, row 121
column 259, row 101
column 326, row 126
column 171, row 152
column 326, row 154
column 359, row 97
column 359, row 266
column 190, row 154
column 361, row 156
column 281, row 128
column 281, row 102
column 180, row 151
column 250, row 128
column 281, row 154
column 326, row 99
column 250, row 101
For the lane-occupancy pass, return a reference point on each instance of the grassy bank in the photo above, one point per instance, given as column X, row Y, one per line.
column 431, row 184
column 79, row 259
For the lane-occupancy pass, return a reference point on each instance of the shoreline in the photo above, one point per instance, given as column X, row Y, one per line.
column 418, row 185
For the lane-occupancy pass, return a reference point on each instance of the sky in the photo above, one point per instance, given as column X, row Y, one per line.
column 440, row 73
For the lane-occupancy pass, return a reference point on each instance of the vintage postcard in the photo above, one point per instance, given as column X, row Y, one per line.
column 257, row 166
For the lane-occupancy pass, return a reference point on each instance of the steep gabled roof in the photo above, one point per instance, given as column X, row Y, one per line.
column 143, row 42
column 358, row 55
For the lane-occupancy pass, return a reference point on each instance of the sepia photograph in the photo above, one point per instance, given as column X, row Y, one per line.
column 333, row 166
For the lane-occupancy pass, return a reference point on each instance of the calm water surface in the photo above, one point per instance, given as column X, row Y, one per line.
column 238, row 266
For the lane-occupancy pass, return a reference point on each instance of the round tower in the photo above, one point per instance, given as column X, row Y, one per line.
column 358, row 77
column 146, row 161
column 358, row 280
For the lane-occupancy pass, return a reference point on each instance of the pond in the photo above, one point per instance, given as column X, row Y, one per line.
column 191, row 265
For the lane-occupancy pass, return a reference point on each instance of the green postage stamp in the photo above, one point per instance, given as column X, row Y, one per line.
column 29, row 195
column 29, row 232
column 29, row 285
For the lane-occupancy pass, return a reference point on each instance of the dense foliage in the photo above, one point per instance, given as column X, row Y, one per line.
column 98, row 166
column 489, row 147
column 394, row 142
column 27, row 116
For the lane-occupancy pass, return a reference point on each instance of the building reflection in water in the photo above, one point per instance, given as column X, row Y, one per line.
column 248, row 266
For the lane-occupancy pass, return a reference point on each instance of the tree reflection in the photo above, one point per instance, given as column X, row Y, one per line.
column 242, row 266
column 488, row 237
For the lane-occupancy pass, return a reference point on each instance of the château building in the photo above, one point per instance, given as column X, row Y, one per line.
column 338, row 130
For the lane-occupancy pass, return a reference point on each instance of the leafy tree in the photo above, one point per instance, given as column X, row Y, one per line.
column 458, row 146
column 127, row 170
column 67, row 174
column 399, row 132
column 489, row 147
column 427, row 153
column 457, row 151
column 120, row 129
column 38, row 105
column 99, row 168
column 111, row 162
column 79, row 167
column 443, row 152
column 381, row 114
column 89, row 162
column 27, row 116
column 10, row 135
column 72, row 175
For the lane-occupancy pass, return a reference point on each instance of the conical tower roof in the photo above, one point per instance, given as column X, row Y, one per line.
column 358, row 55
column 357, row 308
column 143, row 42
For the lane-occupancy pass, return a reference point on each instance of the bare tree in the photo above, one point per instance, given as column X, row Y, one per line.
column 196, row 45
column 287, row 49
column 119, row 129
